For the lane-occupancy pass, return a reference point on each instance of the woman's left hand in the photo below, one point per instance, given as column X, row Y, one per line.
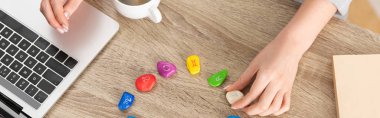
column 275, row 68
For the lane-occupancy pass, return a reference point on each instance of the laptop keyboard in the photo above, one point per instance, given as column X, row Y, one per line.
column 30, row 66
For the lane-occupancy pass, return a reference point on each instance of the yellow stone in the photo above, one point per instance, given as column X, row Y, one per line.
column 193, row 64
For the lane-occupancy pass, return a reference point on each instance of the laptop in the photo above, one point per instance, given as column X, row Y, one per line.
column 38, row 64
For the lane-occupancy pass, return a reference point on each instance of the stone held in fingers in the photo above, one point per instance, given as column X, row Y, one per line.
column 145, row 83
column 166, row 69
column 234, row 96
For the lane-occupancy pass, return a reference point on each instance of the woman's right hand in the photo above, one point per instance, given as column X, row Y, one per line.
column 58, row 12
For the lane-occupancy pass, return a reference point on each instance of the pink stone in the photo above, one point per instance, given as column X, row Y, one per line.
column 166, row 69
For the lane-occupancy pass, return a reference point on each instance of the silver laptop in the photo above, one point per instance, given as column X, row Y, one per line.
column 37, row 64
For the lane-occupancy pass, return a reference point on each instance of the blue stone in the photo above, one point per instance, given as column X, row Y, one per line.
column 131, row 117
column 231, row 116
column 126, row 101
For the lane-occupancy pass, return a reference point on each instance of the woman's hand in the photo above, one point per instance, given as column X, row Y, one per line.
column 275, row 68
column 276, row 65
column 58, row 12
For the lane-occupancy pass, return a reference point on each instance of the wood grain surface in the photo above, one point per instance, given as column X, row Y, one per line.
column 225, row 34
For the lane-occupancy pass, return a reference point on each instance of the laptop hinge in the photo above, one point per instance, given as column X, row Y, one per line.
column 26, row 115
column 10, row 103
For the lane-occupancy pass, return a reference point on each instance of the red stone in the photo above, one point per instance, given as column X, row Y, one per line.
column 145, row 83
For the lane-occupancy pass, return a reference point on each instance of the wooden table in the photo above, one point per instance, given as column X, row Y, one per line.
column 226, row 34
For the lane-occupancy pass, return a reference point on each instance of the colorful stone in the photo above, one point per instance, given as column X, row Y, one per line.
column 231, row 116
column 131, row 117
column 234, row 96
column 166, row 69
column 218, row 78
column 193, row 64
column 126, row 101
column 145, row 83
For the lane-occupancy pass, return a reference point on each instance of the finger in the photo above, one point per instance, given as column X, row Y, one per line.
column 244, row 79
column 57, row 6
column 70, row 7
column 257, row 88
column 285, row 105
column 275, row 106
column 264, row 101
column 49, row 15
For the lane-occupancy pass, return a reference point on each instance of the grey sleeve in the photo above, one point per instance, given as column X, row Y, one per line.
column 341, row 5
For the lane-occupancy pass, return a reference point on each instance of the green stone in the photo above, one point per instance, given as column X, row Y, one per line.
column 218, row 78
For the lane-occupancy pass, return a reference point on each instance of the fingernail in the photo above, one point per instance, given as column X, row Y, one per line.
column 60, row 30
column 65, row 28
column 226, row 87
column 67, row 15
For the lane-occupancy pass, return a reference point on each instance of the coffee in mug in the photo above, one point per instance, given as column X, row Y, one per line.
column 134, row 2
column 138, row 9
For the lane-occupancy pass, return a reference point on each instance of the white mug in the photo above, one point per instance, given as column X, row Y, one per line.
column 149, row 8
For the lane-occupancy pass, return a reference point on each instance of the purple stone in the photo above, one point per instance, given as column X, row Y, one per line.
column 166, row 69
